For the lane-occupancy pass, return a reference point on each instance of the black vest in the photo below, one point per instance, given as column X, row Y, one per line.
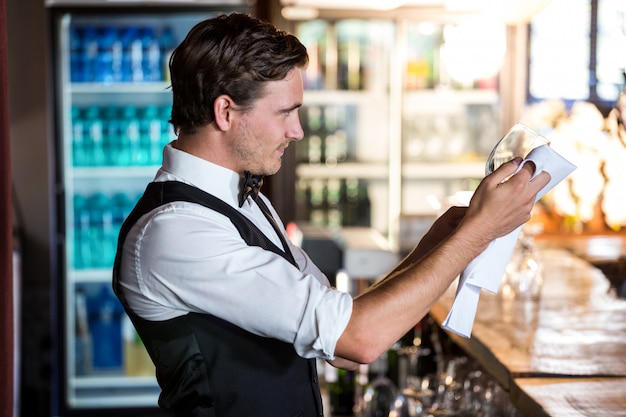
column 206, row 366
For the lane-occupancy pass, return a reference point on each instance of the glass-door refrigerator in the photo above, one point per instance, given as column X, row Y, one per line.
column 395, row 121
column 112, row 105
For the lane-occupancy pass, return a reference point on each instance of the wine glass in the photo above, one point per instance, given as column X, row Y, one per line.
column 379, row 397
column 518, row 141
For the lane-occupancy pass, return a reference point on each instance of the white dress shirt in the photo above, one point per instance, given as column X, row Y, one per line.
column 183, row 257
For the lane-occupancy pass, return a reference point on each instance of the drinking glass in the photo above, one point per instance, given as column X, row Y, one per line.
column 518, row 141
column 379, row 397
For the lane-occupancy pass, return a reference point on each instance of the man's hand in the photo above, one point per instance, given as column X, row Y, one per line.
column 503, row 201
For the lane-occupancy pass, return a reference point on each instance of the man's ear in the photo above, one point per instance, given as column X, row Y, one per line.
column 223, row 108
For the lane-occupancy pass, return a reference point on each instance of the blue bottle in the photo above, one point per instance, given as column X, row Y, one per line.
column 79, row 151
column 135, row 55
column 76, row 55
column 94, row 137
column 104, row 60
column 130, row 139
column 117, row 56
column 82, row 243
column 90, row 53
column 167, row 130
column 151, row 135
column 101, row 233
column 105, row 314
column 167, row 45
column 121, row 205
column 127, row 36
column 112, row 135
column 151, row 56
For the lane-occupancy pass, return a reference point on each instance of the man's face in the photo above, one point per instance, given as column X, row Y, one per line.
column 263, row 132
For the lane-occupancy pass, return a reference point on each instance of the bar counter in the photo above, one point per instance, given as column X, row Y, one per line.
column 562, row 356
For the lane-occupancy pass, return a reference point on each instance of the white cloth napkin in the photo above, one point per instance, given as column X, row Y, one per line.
column 487, row 269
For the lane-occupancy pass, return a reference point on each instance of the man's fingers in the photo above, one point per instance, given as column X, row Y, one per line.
column 506, row 170
column 541, row 180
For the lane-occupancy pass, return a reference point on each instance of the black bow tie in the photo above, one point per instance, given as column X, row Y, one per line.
column 249, row 187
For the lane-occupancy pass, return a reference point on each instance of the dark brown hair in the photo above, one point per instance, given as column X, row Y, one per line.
column 231, row 54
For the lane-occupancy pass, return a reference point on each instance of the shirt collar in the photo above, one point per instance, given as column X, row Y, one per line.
column 221, row 182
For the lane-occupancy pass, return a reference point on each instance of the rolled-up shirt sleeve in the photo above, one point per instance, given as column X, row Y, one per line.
column 183, row 257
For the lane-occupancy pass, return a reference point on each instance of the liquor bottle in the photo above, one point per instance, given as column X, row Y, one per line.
column 318, row 209
column 302, row 200
column 350, row 54
column 431, row 360
column 334, row 201
column 313, row 36
column 315, row 135
column 335, row 142
column 341, row 390
column 357, row 207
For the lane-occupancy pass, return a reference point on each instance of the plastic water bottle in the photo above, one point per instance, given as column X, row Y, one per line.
column 76, row 55
column 112, row 135
column 90, row 53
column 117, row 57
column 82, row 244
column 167, row 44
column 102, row 236
column 79, row 155
column 127, row 37
column 104, row 60
column 135, row 53
column 94, row 135
column 167, row 131
column 121, row 205
column 151, row 56
column 130, row 139
column 151, row 135
column 105, row 322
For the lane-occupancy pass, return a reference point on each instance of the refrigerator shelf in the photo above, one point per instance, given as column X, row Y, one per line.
column 113, row 392
column 346, row 97
column 379, row 171
column 141, row 172
column 120, row 88
column 91, row 275
column 443, row 170
column 372, row 171
column 113, row 381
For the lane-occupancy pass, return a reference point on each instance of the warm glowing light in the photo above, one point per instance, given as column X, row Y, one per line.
column 474, row 50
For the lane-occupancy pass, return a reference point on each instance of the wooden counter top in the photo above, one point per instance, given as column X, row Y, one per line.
column 562, row 356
